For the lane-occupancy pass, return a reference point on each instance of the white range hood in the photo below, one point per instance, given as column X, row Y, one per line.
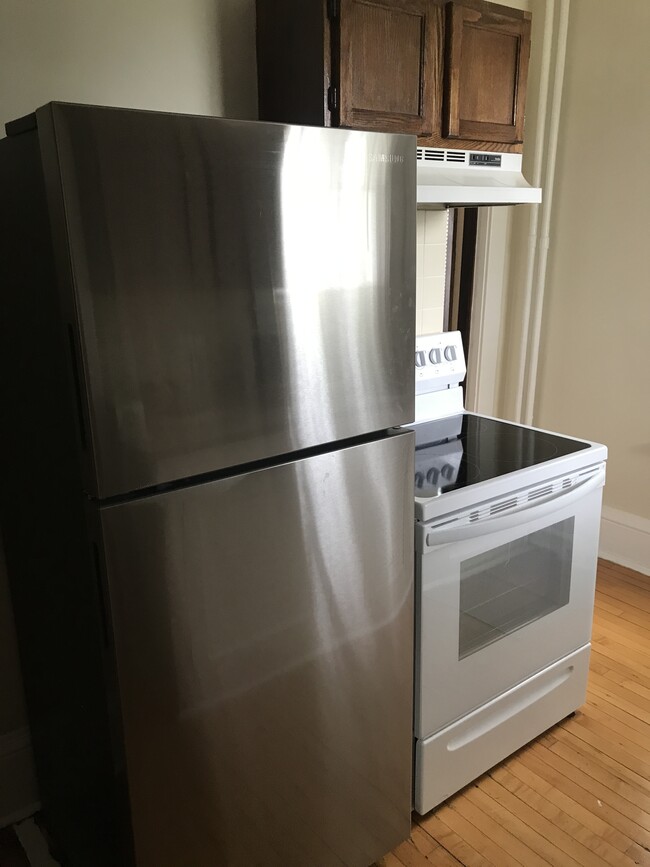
column 458, row 178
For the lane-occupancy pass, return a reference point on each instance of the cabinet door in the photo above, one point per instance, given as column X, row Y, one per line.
column 485, row 75
column 384, row 53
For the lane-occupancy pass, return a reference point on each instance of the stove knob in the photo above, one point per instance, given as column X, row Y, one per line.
column 420, row 359
column 434, row 356
column 448, row 472
column 419, row 480
column 450, row 353
column 433, row 475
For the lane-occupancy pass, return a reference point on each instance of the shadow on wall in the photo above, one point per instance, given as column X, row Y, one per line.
column 236, row 76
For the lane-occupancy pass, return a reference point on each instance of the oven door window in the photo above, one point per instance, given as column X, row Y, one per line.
column 513, row 585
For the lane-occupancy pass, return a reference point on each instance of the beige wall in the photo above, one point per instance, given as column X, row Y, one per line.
column 173, row 55
column 594, row 378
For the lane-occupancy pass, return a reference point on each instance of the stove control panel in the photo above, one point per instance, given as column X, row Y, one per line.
column 439, row 361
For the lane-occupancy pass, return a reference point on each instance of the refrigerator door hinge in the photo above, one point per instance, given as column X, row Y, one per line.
column 332, row 98
column 332, row 9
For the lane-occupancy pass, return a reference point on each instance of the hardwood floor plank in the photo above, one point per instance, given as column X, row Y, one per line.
column 607, row 761
column 601, row 604
column 632, row 582
column 474, row 836
column 630, row 727
column 638, row 645
column 563, row 797
column 566, row 779
column 605, row 797
column 548, row 808
column 607, row 569
column 636, row 686
column 618, row 624
column 452, row 842
column 595, row 769
column 621, row 592
column 434, row 851
column 613, row 651
column 423, row 842
column 607, row 689
column 629, row 614
column 623, row 750
column 409, row 855
column 485, row 815
column 547, row 839
column 617, row 661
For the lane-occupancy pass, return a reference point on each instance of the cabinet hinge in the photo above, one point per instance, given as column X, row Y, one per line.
column 332, row 9
column 332, row 98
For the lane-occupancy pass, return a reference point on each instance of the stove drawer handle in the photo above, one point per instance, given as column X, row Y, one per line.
column 529, row 512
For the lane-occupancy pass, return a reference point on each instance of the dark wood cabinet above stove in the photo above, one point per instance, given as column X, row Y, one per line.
column 454, row 74
column 486, row 67
column 384, row 65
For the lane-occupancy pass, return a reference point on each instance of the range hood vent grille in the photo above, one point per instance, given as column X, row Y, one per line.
column 439, row 155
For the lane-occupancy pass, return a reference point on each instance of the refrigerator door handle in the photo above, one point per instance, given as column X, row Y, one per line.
column 76, row 378
column 101, row 595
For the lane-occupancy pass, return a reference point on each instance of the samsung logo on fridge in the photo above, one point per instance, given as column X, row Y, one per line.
column 386, row 158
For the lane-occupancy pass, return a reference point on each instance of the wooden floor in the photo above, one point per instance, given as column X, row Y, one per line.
column 580, row 794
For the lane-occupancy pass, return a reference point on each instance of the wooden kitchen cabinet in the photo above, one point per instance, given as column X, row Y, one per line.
column 454, row 74
column 486, row 67
column 385, row 65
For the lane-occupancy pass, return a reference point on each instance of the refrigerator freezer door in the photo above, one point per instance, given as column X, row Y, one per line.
column 262, row 627
column 236, row 290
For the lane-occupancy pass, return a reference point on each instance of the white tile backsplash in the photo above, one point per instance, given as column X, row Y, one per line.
column 431, row 320
column 433, row 259
column 431, row 264
column 435, row 227
column 420, row 227
column 432, row 292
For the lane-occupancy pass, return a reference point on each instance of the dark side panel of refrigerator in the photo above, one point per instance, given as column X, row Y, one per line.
column 52, row 576
column 208, row 525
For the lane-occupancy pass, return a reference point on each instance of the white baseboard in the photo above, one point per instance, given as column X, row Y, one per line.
column 18, row 789
column 625, row 539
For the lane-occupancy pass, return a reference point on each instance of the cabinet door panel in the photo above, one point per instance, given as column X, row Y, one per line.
column 486, row 70
column 386, row 65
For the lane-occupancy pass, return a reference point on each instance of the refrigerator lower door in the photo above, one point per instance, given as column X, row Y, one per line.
column 262, row 627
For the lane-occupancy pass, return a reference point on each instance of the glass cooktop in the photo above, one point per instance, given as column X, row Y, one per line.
column 461, row 450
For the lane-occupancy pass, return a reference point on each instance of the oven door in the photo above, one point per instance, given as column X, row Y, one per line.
column 501, row 598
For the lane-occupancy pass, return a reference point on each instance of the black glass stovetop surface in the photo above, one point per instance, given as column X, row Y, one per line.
column 461, row 450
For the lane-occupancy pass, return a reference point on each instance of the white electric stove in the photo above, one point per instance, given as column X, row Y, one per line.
column 507, row 525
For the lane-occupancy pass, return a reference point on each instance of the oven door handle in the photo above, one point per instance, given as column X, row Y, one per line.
column 518, row 517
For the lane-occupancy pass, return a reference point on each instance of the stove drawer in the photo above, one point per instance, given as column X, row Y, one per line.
column 458, row 754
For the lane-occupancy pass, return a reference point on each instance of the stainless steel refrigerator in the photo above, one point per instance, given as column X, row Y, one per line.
column 208, row 331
